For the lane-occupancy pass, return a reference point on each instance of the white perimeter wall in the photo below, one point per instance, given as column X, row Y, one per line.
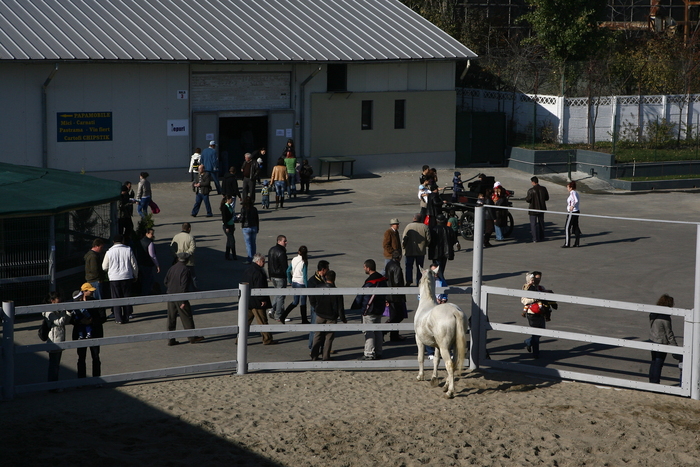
column 569, row 116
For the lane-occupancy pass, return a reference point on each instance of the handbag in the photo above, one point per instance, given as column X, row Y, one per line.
column 426, row 219
column 154, row 207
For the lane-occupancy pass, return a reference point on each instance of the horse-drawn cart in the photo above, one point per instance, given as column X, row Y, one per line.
column 465, row 204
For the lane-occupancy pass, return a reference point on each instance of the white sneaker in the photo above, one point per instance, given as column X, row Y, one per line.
column 270, row 313
column 430, row 357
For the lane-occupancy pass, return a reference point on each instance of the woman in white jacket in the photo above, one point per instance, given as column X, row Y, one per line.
column 297, row 276
column 57, row 333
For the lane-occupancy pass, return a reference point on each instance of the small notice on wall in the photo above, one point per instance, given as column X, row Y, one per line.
column 279, row 132
column 289, row 133
column 182, row 94
column 178, row 127
column 83, row 126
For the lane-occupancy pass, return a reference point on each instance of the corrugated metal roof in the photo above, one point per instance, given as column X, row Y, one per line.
column 35, row 184
column 220, row 30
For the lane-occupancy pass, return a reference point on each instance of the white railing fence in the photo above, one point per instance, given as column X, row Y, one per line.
column 480, row 325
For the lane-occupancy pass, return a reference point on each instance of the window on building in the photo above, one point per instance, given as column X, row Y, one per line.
column 399, row 114
column 367, row 115
column 337, row 78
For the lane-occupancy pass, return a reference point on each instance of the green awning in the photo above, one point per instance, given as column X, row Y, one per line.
column 33, row 191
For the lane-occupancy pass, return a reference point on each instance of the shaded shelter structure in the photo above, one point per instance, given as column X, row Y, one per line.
column 48, row 220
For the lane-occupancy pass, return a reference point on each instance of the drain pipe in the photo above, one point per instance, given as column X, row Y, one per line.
column 301, row 110
column 44, row 123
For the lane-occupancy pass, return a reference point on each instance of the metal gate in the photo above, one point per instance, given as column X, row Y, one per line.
column 480, row 138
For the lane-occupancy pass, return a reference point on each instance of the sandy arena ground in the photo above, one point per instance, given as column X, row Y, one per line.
column 351, row 419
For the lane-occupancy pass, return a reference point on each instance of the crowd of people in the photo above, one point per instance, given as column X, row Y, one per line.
column 130, row 265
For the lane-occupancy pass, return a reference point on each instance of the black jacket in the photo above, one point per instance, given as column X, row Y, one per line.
column 249, row 217
column 442, row 240
column 97, row 318
column 277, row 262
column 394, row 276
column 536, row 197
column 330, row 306
column 178, row 279
column 315, row 281
column 255, row 276
column 371, row 304
column 230, row 185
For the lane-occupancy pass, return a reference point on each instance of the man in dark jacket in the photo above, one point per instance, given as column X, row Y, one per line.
column 179, row 280
column 536, row 198
column 442, row 240
column 318, row 280
column 277, row 269
column 397, row 303
column 255, row 276
column 230, row 185
column 372, row 307
column 329, row 309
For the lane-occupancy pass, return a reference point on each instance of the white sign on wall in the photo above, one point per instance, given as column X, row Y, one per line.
column 178, row 127
column 182, row 94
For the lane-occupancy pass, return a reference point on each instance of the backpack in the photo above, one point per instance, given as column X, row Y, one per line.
column 44, row 329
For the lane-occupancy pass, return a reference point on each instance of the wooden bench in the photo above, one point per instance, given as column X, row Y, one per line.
column 337, row 159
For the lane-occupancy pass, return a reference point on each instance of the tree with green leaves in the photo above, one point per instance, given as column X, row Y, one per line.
column 567, row 29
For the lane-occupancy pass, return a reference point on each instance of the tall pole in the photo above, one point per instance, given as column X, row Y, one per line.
column 695, row 364
column 478, row 317
column 242, row 351
column 8, row 350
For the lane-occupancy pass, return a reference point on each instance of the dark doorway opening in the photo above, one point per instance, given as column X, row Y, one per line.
column 238, row 135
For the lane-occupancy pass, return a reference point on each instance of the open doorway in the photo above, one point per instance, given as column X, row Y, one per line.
column 238, row 135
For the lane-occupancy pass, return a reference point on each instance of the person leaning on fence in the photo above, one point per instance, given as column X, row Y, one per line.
column 536, row 310
column 329, row 309
column 57, row 321
column 372, row 307
column 179, row 280
column 661, row 332
column 95, row 318
column 255, row 276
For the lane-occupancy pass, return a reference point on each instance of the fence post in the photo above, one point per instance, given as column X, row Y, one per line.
column 694, row 367
column 242, row 350
column 8, row 350
column 477, row 265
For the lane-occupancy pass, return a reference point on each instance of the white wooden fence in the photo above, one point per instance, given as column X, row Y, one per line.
column 480, row 325
column 569, row 117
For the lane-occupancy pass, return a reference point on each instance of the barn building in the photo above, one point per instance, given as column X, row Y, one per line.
column 114, row 87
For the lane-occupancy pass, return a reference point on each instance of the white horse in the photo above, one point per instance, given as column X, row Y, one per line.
column 443, row 326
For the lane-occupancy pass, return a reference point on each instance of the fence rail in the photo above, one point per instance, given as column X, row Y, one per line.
column 480, row 326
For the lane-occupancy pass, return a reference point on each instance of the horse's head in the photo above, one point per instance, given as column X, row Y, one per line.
column 426, row 286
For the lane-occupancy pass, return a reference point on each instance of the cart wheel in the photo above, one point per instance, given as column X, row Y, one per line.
column 509, row 227
column 466, row 225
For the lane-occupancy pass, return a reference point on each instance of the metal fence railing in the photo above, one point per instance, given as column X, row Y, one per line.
column 480, row 326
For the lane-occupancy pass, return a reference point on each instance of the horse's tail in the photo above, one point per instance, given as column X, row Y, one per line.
column 461, row 340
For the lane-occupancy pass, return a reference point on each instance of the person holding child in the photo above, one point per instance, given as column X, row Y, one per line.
column 86, row 319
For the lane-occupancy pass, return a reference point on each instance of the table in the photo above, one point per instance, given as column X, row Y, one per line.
column 335, row 159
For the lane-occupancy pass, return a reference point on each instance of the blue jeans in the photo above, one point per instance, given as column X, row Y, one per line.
column 280, row 186
column 249, row 236
column 215, row 178
column 278, row 301
column 142, row 207
column 418, row 260
column 299, row 298
column 198, row 202
column 499, row 232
